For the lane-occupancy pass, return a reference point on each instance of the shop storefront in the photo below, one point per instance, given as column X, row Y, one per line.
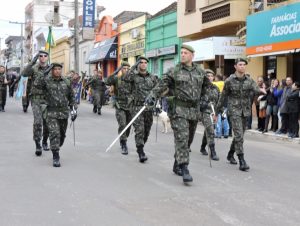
column 132, row 39
column 163, row 45
column 273, row 41
column 217, row 53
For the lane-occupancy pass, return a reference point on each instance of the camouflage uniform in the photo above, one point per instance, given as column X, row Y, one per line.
column 141, row 87
column 98, row 90
column 3, row 91
column 123, row 103
column 238, row 92
column 211, row 96
column 25, row 99
column 185, row 89
column 37, row 98
column 59, row 98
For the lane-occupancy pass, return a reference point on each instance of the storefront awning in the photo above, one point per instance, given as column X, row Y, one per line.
column 104, row 50
column 275, row 53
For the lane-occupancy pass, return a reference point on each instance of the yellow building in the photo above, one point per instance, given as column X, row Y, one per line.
column 60, row 53
column 132, row 39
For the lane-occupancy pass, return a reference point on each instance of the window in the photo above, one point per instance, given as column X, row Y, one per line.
column 56, row 9
column 190, row 6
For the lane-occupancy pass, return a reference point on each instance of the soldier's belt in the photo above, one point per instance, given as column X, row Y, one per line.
column 139, row 103
column 185, row 104
column 37, row 97
column 57, row 109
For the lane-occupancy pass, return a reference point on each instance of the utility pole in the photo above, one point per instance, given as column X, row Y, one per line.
column 22, row 42
column 76, row 41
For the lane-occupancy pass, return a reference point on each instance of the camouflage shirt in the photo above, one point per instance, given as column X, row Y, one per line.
column 33, row 72
column 210, row 95
column 59, row 96
column 2, row 81
column 238, row 91
column 141, row 85
column 97, row 84
column 123, row 91
column 185, row 86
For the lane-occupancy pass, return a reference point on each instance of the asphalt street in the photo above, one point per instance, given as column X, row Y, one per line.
column 94, row 187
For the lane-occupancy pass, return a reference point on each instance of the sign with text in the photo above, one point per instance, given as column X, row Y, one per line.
column 88, row 19
column 274, row 30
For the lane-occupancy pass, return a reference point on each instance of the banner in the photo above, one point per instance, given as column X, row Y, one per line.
column 50, row 42
column 88, row 13
column 21, row 90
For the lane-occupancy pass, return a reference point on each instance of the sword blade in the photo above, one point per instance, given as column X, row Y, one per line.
column 124, row 130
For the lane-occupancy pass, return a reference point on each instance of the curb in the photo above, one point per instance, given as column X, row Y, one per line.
column 273, row 136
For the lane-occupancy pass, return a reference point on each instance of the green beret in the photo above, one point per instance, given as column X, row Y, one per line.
column 237, row 60
column 143, row 58
column 43, row 52
column 188, row 47
column 208, row 71
column 125, row 63
column 53, row 65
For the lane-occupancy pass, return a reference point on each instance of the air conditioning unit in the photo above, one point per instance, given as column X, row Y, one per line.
column 135, row 33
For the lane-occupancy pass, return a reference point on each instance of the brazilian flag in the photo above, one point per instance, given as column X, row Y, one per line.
column 50, row 42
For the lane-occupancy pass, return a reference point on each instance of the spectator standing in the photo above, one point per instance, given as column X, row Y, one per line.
column 293, row 105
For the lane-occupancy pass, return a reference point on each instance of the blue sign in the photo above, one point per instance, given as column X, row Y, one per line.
column 278, row 25
column 89, row 13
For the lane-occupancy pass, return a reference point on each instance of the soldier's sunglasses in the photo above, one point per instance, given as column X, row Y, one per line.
column 43, row 55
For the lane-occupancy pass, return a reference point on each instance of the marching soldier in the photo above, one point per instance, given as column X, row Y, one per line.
column 32, row 71
column 3, row 88
column 142, row 83
column 185, row 83
column 123, row 102
column 238, row 89
column 59, row 99
column 98, row 90
column 208, row 101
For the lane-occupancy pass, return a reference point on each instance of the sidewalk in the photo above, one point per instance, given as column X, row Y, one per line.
column 272, row 135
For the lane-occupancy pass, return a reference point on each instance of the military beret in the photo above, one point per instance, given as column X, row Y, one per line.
column 125, row 63
column 237, row 60
column 188, row 47
column 208, row 71
column 53, row 65
column 143, row 58
column 43, row 52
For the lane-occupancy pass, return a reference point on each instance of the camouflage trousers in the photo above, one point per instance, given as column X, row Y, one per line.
column 184, row 132
column 3, row 94
column 57, row 132
column 142, row 125
column 238, row 124
column 123, row 118
column 209, row 132
column 40, row 128
column 98, row 99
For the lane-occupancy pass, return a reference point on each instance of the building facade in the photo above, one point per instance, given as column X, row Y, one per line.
column 208, row 19
column 132, row 39
column 162, row 44
column 276, row 52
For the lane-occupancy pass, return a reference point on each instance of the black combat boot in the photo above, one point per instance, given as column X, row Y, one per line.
column 213, row 152
column 230, row 157
column 3, row 108
column 203, row 150
column 95, row 109
column 45, row 146
column 141, row 153
column 243, row 164
column 38, row 148
column 176, row 168
column 25, row 108
column 186, row 177
column 56, row 158
column 124, row 147
column 99, row 111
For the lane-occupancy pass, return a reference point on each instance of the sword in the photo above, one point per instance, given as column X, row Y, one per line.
column 124, row 130
column 212, row 114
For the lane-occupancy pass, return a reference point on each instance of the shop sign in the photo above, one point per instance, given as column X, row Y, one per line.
column 274, row 30
column 133, row 49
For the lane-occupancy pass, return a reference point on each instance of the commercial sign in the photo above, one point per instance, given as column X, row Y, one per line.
column 133, row 49
column 207, row 49
column 88, row 13
column 162, row 51
column 274, row 30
